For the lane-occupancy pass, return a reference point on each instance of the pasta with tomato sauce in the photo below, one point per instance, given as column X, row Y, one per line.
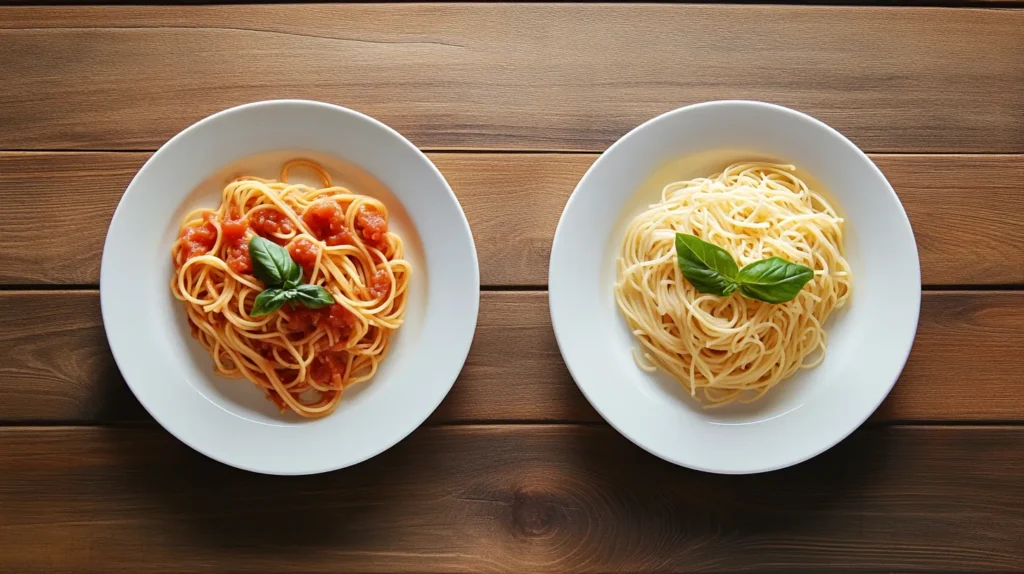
column 302, row 352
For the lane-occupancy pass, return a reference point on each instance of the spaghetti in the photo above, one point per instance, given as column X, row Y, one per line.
column 302, row 358
column 732, row 348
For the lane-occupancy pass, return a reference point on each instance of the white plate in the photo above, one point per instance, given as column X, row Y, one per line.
column 229, row 419
column 869, row 339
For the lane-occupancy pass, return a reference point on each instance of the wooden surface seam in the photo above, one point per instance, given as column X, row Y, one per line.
column 513, row 202
column 534, row 498
column 60, row 368
column 482, row 76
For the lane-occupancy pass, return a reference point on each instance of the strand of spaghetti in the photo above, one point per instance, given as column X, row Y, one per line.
column 302, row 359
column 732, row 348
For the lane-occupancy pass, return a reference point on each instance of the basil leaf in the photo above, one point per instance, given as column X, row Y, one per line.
column 294, row 277
column 271, row 263
column 312, row 296
column 773, row 280
column 709, row 268
column 268, row 301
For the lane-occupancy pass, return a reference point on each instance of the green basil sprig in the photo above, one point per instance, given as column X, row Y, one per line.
column 710, row 269
column 273, row 265
column 282, row 276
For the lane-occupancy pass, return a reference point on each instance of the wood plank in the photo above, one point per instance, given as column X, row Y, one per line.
column 521, row 499
column 513, row 202
column 955, row 201
column 945, row 3
column 965, row 365
column 497, row 76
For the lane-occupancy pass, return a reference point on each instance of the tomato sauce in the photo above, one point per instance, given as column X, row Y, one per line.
column 265, row 350
column 337, row 317
column 304, row 252
column 268, row 222
column 200, row 239
column 380, row 284
column 236, row 245
column 303, row 320
column 326, row 219
column 327, row 365
column 372, row 225
column 197, row 240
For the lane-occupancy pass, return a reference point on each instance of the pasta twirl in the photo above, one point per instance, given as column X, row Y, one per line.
column 732, row 348
column 302, row 358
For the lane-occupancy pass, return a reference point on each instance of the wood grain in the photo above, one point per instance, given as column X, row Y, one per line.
column 513, row 202
column 944, row 3
column 519, row 499
column 966, row 363
column 497, row 76
column 463, row 493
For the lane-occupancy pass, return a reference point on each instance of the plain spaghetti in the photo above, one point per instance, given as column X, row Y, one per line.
column 302, row 358
column 732, row 348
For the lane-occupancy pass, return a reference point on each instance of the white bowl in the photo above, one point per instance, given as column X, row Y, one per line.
column 869, row 339
column 229, row 419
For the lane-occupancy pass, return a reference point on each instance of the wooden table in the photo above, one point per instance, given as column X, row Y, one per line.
column 515, row 471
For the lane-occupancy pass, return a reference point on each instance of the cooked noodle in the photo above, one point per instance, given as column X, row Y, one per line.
column 303, row 359
column 732, row 348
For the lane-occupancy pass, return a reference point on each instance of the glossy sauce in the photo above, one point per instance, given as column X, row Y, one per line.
column 304, row 252
column 268, row 222
column 379, row 285
column 197, row 240
column 329, row 363
column 305, row 321
column 371, row 224
column 236, row 245
column 326, row 220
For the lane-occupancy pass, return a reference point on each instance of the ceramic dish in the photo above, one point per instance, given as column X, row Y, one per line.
column 868, row 340
column 229, row 419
